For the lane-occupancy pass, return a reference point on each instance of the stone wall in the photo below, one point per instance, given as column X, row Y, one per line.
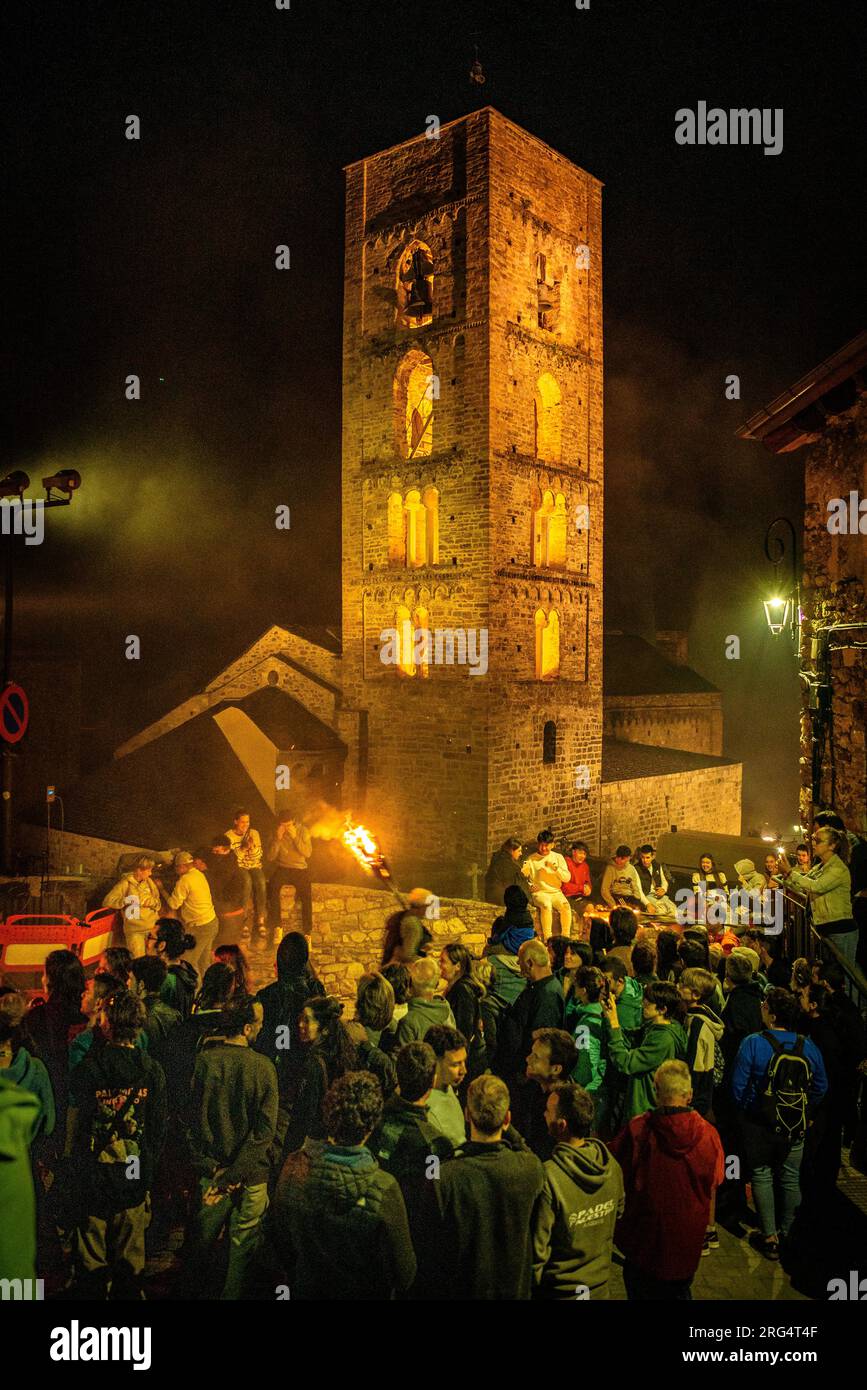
column 455, row 760
column 691, row 722
column 835, row 591
column 348, row 927
column 638, row 811
column 77, row 853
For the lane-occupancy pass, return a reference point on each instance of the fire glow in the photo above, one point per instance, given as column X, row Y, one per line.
column 359, row 841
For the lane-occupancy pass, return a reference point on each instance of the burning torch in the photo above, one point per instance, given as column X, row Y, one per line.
column 359, row 841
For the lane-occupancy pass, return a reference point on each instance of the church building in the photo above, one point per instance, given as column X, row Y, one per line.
column 463, row 699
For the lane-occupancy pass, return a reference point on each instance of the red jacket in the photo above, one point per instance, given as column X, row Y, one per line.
column 580, row 874
column 672, row 1162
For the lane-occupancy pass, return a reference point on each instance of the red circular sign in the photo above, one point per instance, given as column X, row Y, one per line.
column 14, row 713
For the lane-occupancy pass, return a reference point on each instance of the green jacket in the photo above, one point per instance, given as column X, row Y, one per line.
column 573, row 1223
column 589, row 1070
column 630, row 1011
column 19, row 1117
column 660, row 1042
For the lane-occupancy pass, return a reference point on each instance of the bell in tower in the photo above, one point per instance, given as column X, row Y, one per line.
column 415, row 285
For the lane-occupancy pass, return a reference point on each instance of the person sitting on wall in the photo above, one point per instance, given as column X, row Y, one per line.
column 547, row 871
column 621, row 886
column 247, row 846
column 654, row 883
column 504, row 870
column 579, row 887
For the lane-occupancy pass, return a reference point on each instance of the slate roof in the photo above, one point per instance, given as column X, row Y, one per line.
column 626, row 762
column 181, row 788
column 633, row 666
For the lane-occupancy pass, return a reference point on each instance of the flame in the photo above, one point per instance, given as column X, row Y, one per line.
column 359, row 841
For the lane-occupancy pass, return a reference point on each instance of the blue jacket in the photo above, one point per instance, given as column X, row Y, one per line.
column 754, row 1059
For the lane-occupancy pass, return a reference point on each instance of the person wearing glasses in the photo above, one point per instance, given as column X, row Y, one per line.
column 828, row 887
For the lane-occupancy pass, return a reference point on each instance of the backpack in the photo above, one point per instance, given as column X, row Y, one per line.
column 786, row 1095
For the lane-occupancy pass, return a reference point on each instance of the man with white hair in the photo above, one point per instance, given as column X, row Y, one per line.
column 424, row 1009
column 672, row 1163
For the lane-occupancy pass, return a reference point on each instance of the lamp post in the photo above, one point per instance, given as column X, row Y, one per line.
column 783, row 610
column 14, row 486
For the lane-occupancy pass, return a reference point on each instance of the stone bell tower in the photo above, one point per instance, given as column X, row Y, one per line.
column 472, row 495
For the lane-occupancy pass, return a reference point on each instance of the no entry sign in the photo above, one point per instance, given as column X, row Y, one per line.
column 14, row 713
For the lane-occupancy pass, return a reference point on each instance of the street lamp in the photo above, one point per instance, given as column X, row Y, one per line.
column 15, row 485
column 783, row 611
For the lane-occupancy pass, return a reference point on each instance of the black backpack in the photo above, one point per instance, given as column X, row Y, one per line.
column 786, row 1096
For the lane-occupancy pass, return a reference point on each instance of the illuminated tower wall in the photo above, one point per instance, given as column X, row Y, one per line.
column 472, row 494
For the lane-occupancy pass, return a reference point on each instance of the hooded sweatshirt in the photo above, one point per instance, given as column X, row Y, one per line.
column 19, row 1116
column 516, row 926
column 672, row 1163
column 421, row 1015
column 179, row 987
column 573, row 1225
column 32, row 1075
column 660, row 1042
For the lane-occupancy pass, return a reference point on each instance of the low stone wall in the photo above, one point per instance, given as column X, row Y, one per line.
column 348, row 927
column 77, row 853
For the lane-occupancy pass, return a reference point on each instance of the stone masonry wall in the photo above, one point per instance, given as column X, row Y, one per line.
column 691, row 722
column 93, row 856
column 639, row 811
column 348, row 927
column 455, row 760
column 835, row 591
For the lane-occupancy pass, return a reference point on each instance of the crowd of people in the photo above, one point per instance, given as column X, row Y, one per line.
column 507, row 1126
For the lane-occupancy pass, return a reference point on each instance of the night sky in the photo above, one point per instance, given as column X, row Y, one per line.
column 156, row 257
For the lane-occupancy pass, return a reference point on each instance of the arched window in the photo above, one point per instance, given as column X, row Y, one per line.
column 414, row 286
column 549, row 742
column 415, row 389
column 422, row 641
column 547, row 295
column 416, row 530
column 547, row 419
column 396, row 531
column 405, row 635
column 549, row 532
column 413, row 528
column 413, row 641
column 547, row 646
column 431, row 500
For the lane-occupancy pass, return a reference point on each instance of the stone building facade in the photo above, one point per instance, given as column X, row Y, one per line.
column 505, row 476
column 463, row 699
column 827, row 411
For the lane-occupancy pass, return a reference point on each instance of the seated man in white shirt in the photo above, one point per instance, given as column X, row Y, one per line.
column 548, row 871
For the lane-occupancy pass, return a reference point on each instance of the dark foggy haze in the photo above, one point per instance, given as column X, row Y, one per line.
column 156, row 257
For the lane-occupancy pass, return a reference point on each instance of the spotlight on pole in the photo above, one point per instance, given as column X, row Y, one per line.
column 67, row 481
column 14, row 484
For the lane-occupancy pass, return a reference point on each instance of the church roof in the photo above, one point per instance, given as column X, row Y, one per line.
column 181, row 788
column 627, row 762
column 633, row 666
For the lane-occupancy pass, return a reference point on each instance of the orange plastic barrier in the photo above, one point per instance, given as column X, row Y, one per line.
column 26, row 939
